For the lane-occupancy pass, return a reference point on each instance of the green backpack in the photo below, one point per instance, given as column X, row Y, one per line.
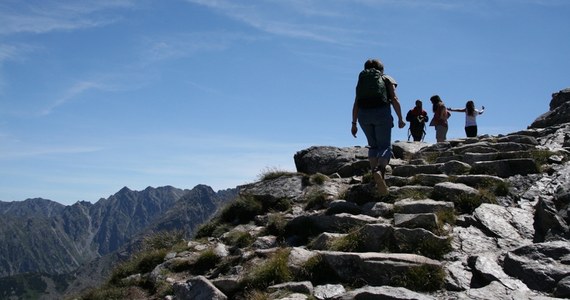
column 371, row 89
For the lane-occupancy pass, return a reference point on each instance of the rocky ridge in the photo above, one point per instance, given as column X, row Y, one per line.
column 478, row 218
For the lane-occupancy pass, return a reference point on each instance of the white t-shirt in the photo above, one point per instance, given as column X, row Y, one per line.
column 471, row 120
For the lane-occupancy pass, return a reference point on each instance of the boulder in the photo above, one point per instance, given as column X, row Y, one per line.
column 559, row 112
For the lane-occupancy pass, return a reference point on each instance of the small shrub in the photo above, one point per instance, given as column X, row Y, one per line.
column 163, row 240
column 487, row 196
column 352, row 242
column 282, row 204
column 443, row 217
column 422, row 278
column 502, row 189
column 276, row 224
column 273, row 173
column 319, row 178
column 272, row 271
column 316, row 200
column 413, row 194
column 207, row 229
column 433, row 249
column 105, row 293
column 316, row 270
column 206, row 261
column 239, row 239
column 468, row 203
column 140, row 263
column 257, row 295
column 541, row 156
column 241, row 211
column 431, row 157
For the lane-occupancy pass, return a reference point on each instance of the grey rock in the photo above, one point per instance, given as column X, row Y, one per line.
column 406, row 150
column 382, row 292
column 411, row 170
column 540, row 266
column 430, row 179
column 458, row 276
column 378, row 209
column 506, row 167
column 271, row 190
column 329, row 160
column 197, row 288
column 563, row 288
column 455, row 167
column 373, row 267
column 426, row 221
column 342, row 206
column 411, row 206
column 512, row 226
column 328, row 291
column 559, row 112
column 376, row 237
column 304, row 287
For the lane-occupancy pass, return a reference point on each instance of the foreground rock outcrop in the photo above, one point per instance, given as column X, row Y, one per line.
column 478, row 218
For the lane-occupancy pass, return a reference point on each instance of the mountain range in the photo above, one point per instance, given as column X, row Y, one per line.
column 48, row 248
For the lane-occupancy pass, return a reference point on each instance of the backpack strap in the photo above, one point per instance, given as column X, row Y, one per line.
column 389, row 91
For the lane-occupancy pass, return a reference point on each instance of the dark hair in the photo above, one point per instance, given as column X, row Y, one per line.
column 470, row 108
column 435, row 100
column 374, row 64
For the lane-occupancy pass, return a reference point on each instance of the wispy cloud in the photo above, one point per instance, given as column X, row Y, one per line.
column 34, row 151
column 180, row 45
column 73, row 92
column 45, row 16
column 290, row 19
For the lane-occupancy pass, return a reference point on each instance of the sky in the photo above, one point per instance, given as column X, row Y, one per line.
column 98, row 95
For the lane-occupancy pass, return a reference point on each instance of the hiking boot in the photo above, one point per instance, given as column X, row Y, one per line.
column 380, row 183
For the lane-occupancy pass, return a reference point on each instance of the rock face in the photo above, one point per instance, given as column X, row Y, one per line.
column 477, row 218
column 559, row 112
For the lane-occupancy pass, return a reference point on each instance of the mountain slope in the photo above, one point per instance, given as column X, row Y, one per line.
column 48, row 239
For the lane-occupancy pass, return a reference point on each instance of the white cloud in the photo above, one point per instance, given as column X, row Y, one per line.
column 46, row 16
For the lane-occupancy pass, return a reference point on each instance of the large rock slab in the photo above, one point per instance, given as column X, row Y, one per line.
column 559, row 112
column 329, row 160
column 377, row 268
column 506, row 167
column 540, row 266
column 383, row 292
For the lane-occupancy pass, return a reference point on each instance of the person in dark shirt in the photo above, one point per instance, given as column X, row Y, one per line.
column 417, row 117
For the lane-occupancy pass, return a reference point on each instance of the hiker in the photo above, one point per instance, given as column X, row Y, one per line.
column 470, row 117
column 417, row 117
column 440, row 116
column 374, row 94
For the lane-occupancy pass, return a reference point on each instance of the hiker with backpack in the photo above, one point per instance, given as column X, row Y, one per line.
column 439, row 120
column 417, row 117
column 375, row 94
column 470, row 117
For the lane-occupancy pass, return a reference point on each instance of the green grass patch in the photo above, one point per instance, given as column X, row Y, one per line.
column 424, row 278
column 316, row 200
column 140, row 263
column 351, row 242
column 273, row 271
column 276, row 224
column 205, row 262
column 239, row 239
column 274, row 173
column 163, row 240
column 316, row 270
column 242, row 210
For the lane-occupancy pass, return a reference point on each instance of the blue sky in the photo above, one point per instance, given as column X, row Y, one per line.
column 97, row 95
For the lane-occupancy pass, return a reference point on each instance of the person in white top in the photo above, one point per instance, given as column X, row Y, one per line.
column 471, row 114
